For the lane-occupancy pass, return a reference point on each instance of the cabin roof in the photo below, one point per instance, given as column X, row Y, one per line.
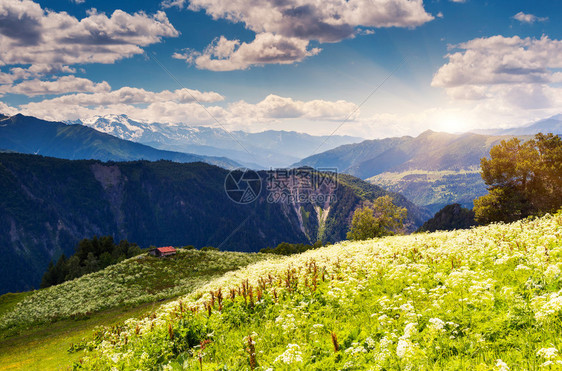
column 166, row 249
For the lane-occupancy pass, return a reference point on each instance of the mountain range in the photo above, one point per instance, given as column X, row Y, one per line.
column 433, row 169
column 264, row 150
column 49, row 204
column 549, row 125
column 26, row 134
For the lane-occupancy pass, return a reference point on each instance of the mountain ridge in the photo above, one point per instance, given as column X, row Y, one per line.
column 433, row 169
column 263, row 150
column 27, row 134
column 551, row 124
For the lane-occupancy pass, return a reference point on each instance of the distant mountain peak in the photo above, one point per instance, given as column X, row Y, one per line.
column 271, row 148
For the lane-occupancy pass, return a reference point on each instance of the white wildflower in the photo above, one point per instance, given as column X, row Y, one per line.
column 437, row 324
column 547, row 353
column 290, row 356
column 501, row 365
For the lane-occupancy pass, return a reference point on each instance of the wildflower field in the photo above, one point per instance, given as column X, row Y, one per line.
column 489, row 298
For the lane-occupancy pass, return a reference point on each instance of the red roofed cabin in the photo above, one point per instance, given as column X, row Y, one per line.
column 163, row 251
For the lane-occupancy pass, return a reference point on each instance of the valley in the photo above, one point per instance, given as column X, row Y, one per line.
column 49, row 205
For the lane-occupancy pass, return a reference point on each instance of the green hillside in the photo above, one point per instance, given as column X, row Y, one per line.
column 48, row 205
column 482, row 299
column 52, row 319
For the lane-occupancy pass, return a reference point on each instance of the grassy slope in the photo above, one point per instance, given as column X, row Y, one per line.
column 44, row 347
column 450, row 300
column 37, row 328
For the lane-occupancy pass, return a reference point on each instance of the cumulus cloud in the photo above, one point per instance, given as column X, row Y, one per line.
column 274, row 107
column 33, row 71
column 284, row 28
column 529, row 18
column 502, row 60
column 7, row 110
column 167, row 111
column 61, row 85
column 325, row 21
column 130, row 95
column 504, row 81
column 266, row 48
column 32, row 35
column 178, row 107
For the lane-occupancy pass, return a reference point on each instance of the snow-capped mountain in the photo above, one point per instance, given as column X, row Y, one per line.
column 257, row 150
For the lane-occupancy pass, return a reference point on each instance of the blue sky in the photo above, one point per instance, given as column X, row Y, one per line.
column 302, row 65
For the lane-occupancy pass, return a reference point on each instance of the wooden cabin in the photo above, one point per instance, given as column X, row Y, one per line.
column 163, row 251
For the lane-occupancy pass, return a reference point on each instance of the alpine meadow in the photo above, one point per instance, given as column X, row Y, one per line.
column 285, row 185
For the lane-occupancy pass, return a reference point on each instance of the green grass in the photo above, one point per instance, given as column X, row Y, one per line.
column 44, row 347
column 464, row 300
column 38, row 327
column 10, row 300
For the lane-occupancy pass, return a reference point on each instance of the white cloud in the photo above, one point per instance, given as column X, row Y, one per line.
column 266, row 48
column 284, row 27
column 33, row 71
column 504, row 81
column 32, row 35
column 162, row 107
column 529, row 18
column 7, row 110
column 325, row 21
column 274, row 107
column 501, row 60
column 129, row 95
column 166, row 111
column 61, row 85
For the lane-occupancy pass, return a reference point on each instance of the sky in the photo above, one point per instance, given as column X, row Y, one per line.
column 369, row 68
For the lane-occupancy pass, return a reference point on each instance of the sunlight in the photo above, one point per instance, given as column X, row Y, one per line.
column 452, row 122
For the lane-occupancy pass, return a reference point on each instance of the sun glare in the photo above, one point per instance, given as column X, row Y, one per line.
column 452, row 123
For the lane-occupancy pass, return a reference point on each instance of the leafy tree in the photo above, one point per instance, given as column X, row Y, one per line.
column 523, row 178
column 48, row 277
column 383, row 219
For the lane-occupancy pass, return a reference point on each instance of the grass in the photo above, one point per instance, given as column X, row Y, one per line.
column 489, row 298
column 45, row 347
column 10, row 300
column 138, row 280
column 38, row 327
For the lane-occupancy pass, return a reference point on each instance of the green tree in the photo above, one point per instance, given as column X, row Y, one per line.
column 523, row 178
column 90, row 256
column 384, row 218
